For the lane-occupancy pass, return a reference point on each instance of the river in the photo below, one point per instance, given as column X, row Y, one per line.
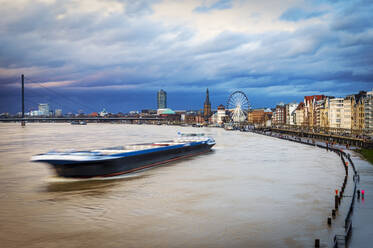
column 251, row 191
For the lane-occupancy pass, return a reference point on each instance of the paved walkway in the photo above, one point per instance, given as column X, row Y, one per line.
column 362, row 218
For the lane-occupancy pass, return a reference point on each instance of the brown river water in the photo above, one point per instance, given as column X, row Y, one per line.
column 251, row 191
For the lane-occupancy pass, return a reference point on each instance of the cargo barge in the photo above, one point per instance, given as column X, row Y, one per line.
column 120, row 160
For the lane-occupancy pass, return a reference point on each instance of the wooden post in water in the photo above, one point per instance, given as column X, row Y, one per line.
column 23, row 123
column 336, row 201
column 317, row 243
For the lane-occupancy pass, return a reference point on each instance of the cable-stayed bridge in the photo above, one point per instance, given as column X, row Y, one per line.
column 124, row 119
column 56, row 99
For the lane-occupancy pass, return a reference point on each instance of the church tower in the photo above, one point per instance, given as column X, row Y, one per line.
column 207, row 107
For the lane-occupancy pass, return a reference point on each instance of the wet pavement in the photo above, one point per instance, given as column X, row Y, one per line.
column 362, row 218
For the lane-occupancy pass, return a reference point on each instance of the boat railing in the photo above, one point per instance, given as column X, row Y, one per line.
column 191, row 134
column 191, row 138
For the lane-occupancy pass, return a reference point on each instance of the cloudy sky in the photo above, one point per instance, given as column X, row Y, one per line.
column 116, row 54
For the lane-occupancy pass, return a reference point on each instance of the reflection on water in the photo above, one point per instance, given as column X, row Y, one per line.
column 252, row 191
column 57, row 184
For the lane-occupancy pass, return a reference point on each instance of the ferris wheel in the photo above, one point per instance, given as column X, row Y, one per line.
column 238, row 105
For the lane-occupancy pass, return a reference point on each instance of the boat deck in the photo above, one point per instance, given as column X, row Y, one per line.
column 134, row 148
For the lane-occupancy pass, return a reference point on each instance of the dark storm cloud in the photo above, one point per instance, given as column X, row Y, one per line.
column 128, row 53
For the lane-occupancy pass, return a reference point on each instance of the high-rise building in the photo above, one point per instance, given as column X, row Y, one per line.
column 161, row 99
column 207, row 107
column 44, row 109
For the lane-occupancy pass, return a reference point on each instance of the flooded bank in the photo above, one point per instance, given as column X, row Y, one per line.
column 252, row 190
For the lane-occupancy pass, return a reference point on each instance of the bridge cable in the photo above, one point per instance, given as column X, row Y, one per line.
column 62, row 96
column 56, row 103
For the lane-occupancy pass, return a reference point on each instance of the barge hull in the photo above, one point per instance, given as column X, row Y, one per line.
column 123, row 165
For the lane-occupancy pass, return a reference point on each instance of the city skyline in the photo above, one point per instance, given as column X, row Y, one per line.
column 32, row 109
column 116, row 54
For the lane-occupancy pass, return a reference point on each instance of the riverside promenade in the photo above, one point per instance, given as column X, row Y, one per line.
column 362, row 218
column 340, row 138
column 352, row 226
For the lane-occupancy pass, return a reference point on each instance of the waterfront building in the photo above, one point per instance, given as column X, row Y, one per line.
column 103, row 113
column 310, row 116
column 161, row 99
column 190, row 119
column 336, row 112
column 294, row 116
column 347, row 112
column 358, row 115
column 165, row 111
column 273, row 117
column 324, row 112
column 207, row 107
column 221, row 114
column 169, row 115
column 199, row 119
column 134, row 112
column 182, row 114
column 368, row 112
column 279, row 115
column 182, row 117
column 214, row 117
column 268, row 117
column 35, row 113
column 257, row 117
column 148, row 111
column 250, row 116
column 289, row 109
column 299, row 114
column 319, row 105
column 44, row 109
column 58, row 113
